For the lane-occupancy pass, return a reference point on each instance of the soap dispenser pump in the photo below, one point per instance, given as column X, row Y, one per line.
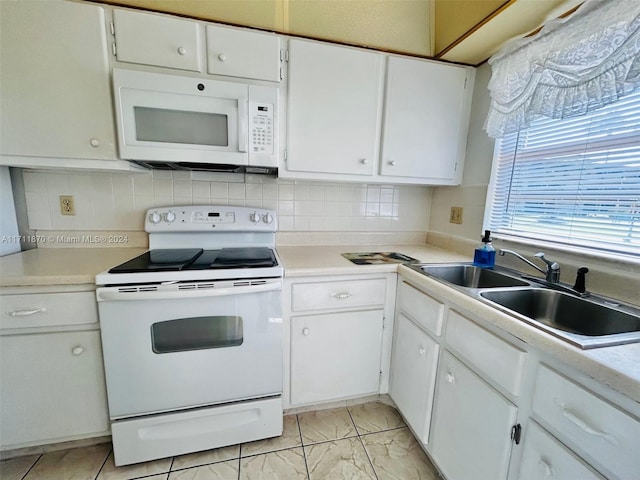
column 485, row 255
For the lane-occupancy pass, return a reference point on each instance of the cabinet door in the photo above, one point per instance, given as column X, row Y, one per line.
column 241, row 53
column 334, row 108
column 545, row 457
column 425, row 119
column 52, row 387
column 159, row 40
column 55, row 95
column 335, row 355
column 470, row 435
column 413, row 373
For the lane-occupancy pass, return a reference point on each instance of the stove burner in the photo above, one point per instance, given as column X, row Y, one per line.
column 166, row 260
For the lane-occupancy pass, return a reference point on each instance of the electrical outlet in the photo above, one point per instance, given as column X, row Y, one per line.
column 66, row 205
column 456, row 215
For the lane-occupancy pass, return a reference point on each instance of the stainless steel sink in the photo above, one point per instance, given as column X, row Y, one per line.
column 470, row 276
column 585, row 323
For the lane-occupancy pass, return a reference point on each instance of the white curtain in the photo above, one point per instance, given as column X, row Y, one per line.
column 571, row 67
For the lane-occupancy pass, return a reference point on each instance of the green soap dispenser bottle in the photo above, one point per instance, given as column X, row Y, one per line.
column 485, row 255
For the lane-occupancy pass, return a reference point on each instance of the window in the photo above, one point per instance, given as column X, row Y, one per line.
column 573, row 181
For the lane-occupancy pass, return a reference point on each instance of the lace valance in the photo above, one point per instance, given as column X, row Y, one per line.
column 571, row 67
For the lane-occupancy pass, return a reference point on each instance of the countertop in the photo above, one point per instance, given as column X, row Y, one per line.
column 617, row 367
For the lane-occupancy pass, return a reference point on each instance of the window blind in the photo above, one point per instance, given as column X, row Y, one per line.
column 573, row 181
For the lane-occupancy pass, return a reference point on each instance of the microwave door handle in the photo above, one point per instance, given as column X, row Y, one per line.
column 243, row 113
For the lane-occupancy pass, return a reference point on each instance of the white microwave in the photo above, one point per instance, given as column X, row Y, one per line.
column 174, row 121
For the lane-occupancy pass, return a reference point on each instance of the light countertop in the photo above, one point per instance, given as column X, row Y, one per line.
column 60, row 266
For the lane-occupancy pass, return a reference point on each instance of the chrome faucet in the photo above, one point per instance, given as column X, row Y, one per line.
column 551, row 273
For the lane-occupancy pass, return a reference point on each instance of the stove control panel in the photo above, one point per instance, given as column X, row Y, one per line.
column 205, row 218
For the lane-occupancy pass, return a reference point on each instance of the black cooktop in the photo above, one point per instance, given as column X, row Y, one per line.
column 174, row 259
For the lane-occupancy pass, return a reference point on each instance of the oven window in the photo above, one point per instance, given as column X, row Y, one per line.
column 176, row 126
column 196, row 333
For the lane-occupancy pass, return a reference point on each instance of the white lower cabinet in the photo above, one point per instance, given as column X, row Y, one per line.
column 472, row 422
column 52, row 388
column 335, row 355
column 544, row 457
column 413, row 372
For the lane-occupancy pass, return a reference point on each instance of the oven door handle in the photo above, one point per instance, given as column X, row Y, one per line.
column 116, row 293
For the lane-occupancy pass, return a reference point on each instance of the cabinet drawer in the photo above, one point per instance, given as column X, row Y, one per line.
column 157, row 40
column 488, row 353
column 48, row 309
column 346, row 294
column 424, row 310
column 589, row 423
column 241, row 53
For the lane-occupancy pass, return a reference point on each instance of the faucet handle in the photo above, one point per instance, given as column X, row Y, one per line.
column 550, row 264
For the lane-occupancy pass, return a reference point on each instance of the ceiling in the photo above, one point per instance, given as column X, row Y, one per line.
column 462, row 31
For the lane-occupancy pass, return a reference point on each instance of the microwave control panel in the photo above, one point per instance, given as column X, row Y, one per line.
column 261, row 128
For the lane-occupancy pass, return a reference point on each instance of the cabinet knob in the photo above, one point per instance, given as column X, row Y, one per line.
column 182, row 50
column 392, row 163
column 78, row 350
column 363, row 161
column 450, row 378
column 546, row 468
column 306, row 331
column 222, row 57
column 422, row 351
column 94, row 142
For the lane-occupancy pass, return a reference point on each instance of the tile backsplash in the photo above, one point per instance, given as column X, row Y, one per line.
column 106, row 201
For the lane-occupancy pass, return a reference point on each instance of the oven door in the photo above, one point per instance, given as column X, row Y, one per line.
column 181, row 119
column 169, row 348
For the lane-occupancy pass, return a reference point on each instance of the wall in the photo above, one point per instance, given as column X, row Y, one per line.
column 8, row 223
column 117, row 202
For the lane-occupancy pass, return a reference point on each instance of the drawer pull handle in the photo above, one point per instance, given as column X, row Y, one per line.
column 341, row 295
column 548, row 471
column 78, row 350
column 306, row 331
column 580, row 423
column 450, row 378
column 27, row 313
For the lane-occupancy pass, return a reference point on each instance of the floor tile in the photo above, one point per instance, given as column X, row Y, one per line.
column 375, row 417
column 396, row 455
column 127, row 472
column 203, row 458
column 72, row 464
column 290, row 438
column 15, row 468
column 283, row 464
column 339, row 460
column 216, row 471
column 325, row 425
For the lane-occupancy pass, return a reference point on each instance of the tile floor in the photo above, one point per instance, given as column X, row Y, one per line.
column 369, row 442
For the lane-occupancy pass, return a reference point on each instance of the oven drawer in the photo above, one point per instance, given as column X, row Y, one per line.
column 48, row 309
column 591, row 425
column 342, row 294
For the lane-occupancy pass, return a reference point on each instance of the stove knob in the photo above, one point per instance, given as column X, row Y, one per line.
column 267, row 218
column 254, row 217
column 169, row 217
column 155, row 218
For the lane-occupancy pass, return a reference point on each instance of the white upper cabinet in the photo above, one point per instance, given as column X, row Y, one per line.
column 55, row 95
column 157, row 40
column 426, row 119
column 334, row 110
column 243, row 53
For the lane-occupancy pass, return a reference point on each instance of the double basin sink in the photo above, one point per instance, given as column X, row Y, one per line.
column 585, row 322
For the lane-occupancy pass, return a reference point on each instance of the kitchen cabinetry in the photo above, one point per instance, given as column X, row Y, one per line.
column 414, row 358
column 334, row 108
column 158, row 40
column 426, row 118
column 471, row 424
column 51, row 372
column 339, row 341
column 55, row 96
column 243, row 53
